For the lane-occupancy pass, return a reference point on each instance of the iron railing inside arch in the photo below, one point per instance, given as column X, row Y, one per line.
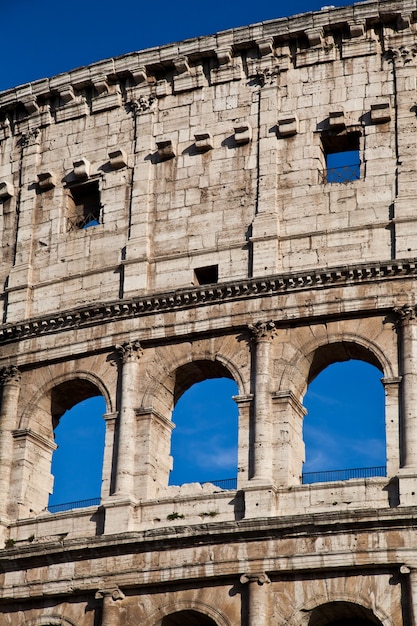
column 230, row 484
column 343, row 174
column 329, row 476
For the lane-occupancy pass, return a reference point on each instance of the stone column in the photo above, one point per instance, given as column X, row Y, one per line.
column 10, row 377
column 408, row 363
column 110, row 608
column 259, row 613
column 130, row 354
column 263, row 334
column 392, row 387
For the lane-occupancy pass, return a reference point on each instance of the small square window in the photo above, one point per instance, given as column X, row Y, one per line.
column 342, row 157
column 206, row 275
column 83, row 205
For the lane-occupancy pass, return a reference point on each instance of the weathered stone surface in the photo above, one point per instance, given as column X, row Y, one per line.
column 170, row 216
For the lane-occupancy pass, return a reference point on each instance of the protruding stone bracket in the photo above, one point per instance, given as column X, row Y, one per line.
column 266, row 46
column 224, row 56
column 139, row 74
column 243, row 133
column 166, row 149
column 181, row 64
column 203, row 141
column 380, row 113
column 261, row 578
column 30, row 104
column 82, row 168
column 118, row 159
column 6, row 190
column 356, row 29
column 315, row 36
column 287, row 126
column 46, row 181
column 67, row 94
column 337, row 120
column 100, row 84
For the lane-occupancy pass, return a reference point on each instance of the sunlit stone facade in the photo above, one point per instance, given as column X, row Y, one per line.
column 238, row 205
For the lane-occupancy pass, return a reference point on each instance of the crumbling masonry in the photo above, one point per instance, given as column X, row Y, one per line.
column 174, row 215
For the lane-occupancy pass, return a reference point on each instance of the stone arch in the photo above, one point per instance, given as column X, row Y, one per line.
column 322, row 611
column 313, row 357
column 32, row 478
column 49, row 620
column 180, row 606
column 180, row 373
column 80, row 383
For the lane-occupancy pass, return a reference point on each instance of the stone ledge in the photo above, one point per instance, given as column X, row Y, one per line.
column 129, row 66
column 219, row 292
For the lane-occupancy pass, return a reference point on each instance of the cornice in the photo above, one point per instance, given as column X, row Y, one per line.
column 267, row 37
column 171, row 301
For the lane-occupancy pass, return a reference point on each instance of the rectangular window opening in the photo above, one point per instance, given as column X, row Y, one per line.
column 342, row 157
column 206, row 275
column 84, row 205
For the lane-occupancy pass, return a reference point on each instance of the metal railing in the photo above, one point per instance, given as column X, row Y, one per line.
column 346, row 474
column 226, row 483
column 344, row 174
column 78, row 504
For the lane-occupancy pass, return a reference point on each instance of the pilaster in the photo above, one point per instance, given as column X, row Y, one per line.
column 11, row 382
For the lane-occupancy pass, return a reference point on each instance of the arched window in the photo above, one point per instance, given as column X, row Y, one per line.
column 187, row 618
column 344, row 429
column 79, row 435
column 204, row 441
column 343, row 614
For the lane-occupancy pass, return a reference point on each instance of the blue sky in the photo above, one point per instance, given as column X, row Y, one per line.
column 43, row 38
column 344, row 428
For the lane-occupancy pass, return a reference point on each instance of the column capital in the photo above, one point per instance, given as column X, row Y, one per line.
column 113, row 593
column 263, row 331
column 129, row 351
column 10, row 375
column 261, row 578
column 405, row 314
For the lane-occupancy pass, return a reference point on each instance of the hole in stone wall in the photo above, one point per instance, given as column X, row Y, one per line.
column 77, row 462
column 342, row 157
column 206, row 275
column 83, row 205
column 204, row 442
column 344, row 428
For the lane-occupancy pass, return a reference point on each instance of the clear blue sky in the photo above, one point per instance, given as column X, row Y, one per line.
column 43, row 38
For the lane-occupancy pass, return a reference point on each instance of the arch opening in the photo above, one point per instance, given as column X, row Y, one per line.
column 77, row 409
column 187, row 618
column 205, row 439
column 343, row 614
column 344, row 429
